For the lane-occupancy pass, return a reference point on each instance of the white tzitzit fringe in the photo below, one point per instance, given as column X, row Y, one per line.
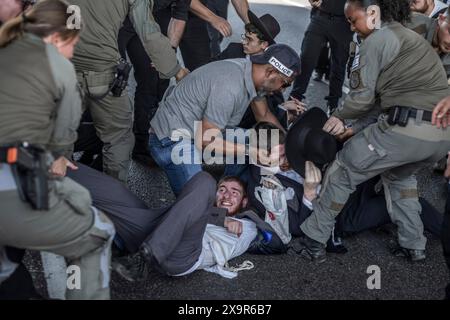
column 246, row 265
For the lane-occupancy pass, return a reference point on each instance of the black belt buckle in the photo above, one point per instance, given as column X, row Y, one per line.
column 404, row 116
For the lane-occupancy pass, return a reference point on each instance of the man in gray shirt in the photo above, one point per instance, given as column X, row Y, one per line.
column 193, row 114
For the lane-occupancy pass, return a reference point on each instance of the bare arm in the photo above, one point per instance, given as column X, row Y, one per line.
column 262, row 112
column 241, row 7
column 217, row 22
column 175, row 31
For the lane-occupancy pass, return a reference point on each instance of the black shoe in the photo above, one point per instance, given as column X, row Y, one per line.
column 440, row 166
column 411, row 254
column 123, row 268
column 312, row 250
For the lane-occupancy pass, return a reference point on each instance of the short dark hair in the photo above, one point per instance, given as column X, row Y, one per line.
column 251, row 28
column 391, row 10
column 236, row 179
column 263, row 125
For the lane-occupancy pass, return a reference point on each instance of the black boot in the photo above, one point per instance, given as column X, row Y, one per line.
column 312, row 249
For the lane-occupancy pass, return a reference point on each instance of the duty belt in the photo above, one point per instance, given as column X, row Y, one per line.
column 29, row 167
column 400, row 115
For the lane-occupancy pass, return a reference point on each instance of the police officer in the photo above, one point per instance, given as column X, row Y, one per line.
column 95, row 61
column 398, row 71
column 40, row 103
column 328, row 24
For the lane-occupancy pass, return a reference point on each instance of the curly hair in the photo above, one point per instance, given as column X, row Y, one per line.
column 391, row 10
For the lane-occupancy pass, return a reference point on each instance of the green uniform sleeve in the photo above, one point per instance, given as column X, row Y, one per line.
column 367, row 120
column 156, row 44
column 68, row 111
column 376, row 52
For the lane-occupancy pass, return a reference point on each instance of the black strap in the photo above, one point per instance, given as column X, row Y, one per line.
column 3, row 154
column 425, row 117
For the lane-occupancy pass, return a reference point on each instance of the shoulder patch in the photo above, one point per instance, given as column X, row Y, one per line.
column 355, row 79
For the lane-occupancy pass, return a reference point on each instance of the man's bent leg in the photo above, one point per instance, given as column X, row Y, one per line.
column 71, row 228
column 177, row 241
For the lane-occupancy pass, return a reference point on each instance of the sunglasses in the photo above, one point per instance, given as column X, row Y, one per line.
column 286, row 84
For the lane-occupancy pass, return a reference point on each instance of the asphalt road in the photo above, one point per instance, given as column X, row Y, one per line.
column 288, row 276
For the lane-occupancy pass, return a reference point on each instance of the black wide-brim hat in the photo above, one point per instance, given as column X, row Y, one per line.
column 267, row 24
column 307, row 141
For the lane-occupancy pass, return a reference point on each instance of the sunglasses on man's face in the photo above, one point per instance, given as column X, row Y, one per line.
column 286, row 83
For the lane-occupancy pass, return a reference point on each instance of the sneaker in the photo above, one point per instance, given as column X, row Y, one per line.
column 312, row 250
column 318, row 77
column 411, row 254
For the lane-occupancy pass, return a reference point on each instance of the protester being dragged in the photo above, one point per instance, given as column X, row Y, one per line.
column 183, row 222
column 287, row 192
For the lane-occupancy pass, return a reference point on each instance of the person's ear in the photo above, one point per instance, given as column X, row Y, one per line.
column 373, row 17
column 441, row 19
column 244, row 202
column 264, row 45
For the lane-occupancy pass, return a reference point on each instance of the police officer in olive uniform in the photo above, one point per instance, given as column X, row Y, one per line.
column 398, row 71
column 328, row 24
column 95, row 61
column 40, row 103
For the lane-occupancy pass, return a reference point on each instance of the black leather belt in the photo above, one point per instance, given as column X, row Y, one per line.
column 400, row 115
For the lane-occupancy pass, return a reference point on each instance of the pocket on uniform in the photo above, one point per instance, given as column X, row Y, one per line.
column 360, row 154
column 75, row 195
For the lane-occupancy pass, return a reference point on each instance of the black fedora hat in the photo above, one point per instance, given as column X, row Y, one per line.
column 307, row 141
column 267, row 24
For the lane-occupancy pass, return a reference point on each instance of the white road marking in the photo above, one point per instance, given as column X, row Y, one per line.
column 55, row 274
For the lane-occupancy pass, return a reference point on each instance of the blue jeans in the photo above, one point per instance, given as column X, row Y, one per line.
column 178, row 174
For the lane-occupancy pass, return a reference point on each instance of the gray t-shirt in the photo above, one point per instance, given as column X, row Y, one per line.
column 220, row 92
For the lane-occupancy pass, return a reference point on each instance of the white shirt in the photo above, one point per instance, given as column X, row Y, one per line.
column 291, row 174
column 219, row 246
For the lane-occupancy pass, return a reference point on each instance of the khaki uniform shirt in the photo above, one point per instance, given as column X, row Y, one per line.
column 40, row 100
column 98, row 47
column 395, row 67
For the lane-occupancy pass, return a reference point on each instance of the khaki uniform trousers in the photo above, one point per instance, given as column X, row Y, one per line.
column 396, row 153
column 113, row 122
